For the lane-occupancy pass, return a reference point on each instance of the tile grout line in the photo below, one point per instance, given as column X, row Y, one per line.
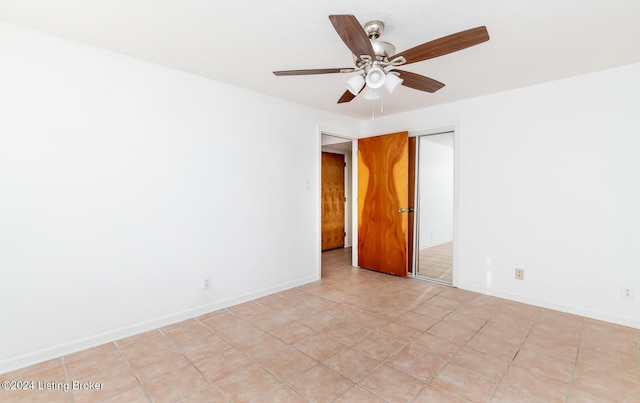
column 428, row 382
column 449, row 361
column 465, row 345
column 320, row 362
column 476, row 333
column 66, row 378
column 575, row 363
column 194, row 365
column 132, row 370
column 256, row 362
column 506, row 370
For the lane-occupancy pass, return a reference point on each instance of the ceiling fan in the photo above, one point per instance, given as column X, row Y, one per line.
column 376, row 61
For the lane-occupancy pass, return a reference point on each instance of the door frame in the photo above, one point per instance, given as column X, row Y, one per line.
column 456, row 200
column 353, row 179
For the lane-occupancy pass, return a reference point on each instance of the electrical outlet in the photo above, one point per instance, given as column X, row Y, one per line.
column 519, row 274
column 627, row 293
column 207, row 283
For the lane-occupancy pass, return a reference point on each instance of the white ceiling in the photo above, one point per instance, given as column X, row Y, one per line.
column 243, row 41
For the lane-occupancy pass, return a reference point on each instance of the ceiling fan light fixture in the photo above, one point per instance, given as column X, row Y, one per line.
column 392, row 82
column 371, row 94
column 355, row 84
column 373, row 57
column 375, row 77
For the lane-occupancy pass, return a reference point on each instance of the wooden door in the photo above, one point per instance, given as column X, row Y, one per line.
column 332, row 201
column 382, row 203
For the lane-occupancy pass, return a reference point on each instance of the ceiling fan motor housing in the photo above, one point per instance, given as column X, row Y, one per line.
column 383, row 50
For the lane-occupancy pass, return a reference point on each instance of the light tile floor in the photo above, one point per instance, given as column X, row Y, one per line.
column 436, row 262
column 356, row 336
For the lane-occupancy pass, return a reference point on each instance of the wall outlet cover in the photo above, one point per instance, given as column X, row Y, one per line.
column 627, row 293
column 519, row 274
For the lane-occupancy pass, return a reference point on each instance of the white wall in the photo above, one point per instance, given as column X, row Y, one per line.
column 435, row 187
column 547, row 180
column 124, row 184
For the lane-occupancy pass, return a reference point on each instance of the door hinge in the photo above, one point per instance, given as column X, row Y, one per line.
column 345, row 234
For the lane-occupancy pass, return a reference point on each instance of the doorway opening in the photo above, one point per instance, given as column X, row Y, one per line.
column 434, row 215
column 336, row 148
column 333, row 201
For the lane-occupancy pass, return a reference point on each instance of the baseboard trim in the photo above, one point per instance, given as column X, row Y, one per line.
column 431, row 245
column 557, row 306
column 35, row 357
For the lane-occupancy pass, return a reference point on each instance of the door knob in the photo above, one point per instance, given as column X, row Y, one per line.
column 401, row 210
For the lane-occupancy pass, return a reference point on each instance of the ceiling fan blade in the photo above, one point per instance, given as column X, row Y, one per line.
column 346, row 97
column 419, row 82
column 353, row 35
column 446, row 44
column 312, row 71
